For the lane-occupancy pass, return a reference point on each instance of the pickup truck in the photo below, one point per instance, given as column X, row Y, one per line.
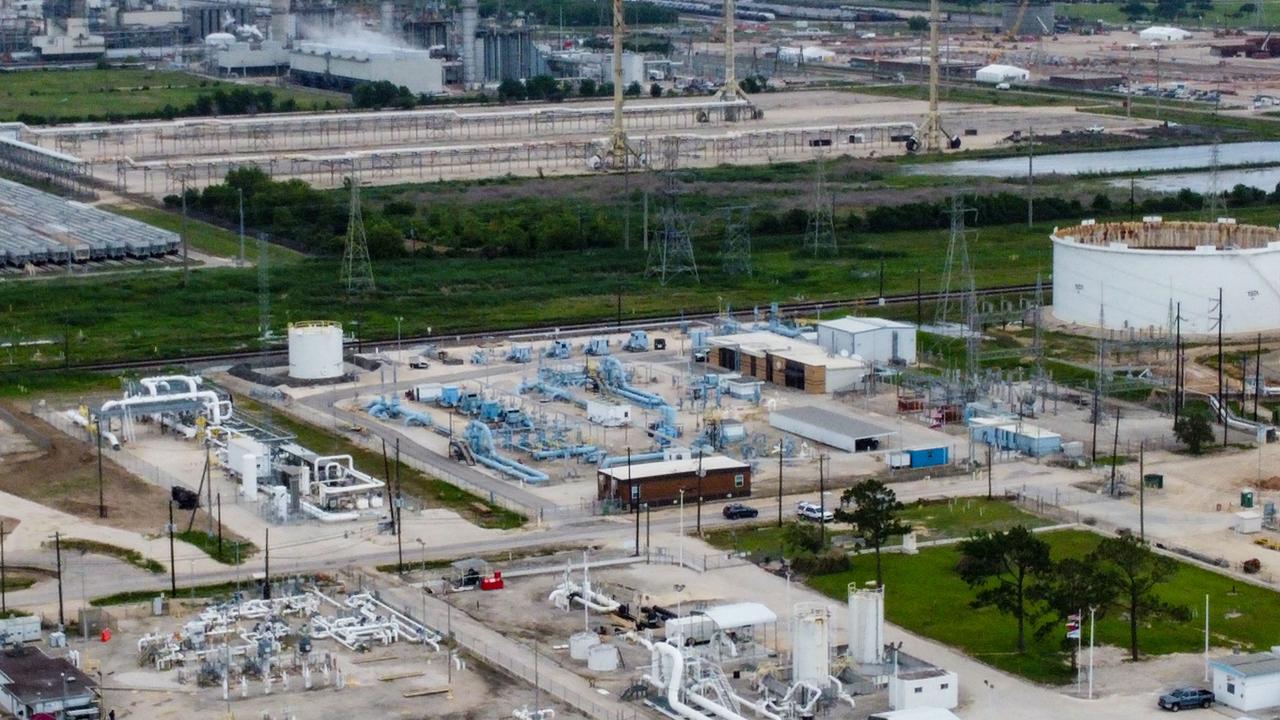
column 814, row 511
column 1185, row 698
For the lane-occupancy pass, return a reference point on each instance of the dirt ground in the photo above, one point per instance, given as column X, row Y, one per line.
column 65, row 477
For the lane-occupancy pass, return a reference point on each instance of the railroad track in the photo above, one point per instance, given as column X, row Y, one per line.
column 532, row 332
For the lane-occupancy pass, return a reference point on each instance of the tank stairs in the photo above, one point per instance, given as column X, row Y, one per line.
column 460, row 450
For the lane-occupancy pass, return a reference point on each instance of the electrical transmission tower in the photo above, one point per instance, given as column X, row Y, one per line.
column 820, row 235
column 1214, row 206
column 735, row 250
column 671, row 252
column 357, row 271
column 958, row 288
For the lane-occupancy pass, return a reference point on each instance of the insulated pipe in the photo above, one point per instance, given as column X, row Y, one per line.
column 152, row 383
column 213, row 405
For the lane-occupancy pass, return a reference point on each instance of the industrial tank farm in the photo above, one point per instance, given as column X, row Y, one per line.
column 1132, row 276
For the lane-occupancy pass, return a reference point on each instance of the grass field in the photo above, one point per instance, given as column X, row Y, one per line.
column 931, row 521
column 133, row 557
column 925, row 595
column 84, row 93
column 206, row 238
column 234, row 551
column 433, row 491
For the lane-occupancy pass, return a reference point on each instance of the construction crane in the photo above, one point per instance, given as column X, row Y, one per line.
column 1017, row 20
column 931, row 137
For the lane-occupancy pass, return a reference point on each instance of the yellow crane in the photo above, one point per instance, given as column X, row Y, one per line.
column 1017, row 20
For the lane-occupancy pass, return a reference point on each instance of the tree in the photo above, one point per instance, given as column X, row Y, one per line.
column 655, row 90
column 1002, row 566
column 1135, row 9
column 509, row 90
column 1193, row 429
column 874, row 514
column 802, row 537
column 1073, row 586
column 915, row 23
column 1138, row 571
column 587, row 88
column 1170, row 9
column 632, row 90
column 541, row 87
column 1101, row 203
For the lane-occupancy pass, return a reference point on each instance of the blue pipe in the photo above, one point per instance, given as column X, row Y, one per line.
column 636, row 458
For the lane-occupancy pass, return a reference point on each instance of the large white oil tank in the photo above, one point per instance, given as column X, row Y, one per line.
column 315, row 350
column 866, row 624
column 810, row 644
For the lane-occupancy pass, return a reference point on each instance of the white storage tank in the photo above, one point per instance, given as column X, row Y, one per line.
column 810, row 644
column 580, row 644
column 602, row 658
column 315, row 350
column 866, row 624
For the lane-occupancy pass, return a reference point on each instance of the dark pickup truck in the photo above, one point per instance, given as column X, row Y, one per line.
column 1186, row 698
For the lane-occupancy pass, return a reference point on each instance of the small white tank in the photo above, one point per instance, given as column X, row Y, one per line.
column 362, row 503
column 580, row 644
column 315, row 350
column 602, row 658
column 866, row 624
column 810, row 644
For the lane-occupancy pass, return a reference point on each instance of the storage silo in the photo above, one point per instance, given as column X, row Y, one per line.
column 470, row 23
column 810, row 644
column 866, row 624
column 315, row 350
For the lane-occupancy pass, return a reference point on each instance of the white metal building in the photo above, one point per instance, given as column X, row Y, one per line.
column 841, row 431
column 1134, row 274
column 333, row 65
column 32, row 683
column 1247, row 682
column 924, row 688
column 876, row 340
column 996, row 74
column 1164, row 33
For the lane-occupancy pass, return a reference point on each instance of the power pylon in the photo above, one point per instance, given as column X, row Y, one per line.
column 820, row 235
column 1214, row 205
column 671, row 252
column 357, row 271
column 735, row 249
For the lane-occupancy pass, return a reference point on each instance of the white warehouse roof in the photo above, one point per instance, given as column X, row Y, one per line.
column 661, row 468
column 1164, row 32
column 739, row 615
column 1001, row 73
column 852, row 324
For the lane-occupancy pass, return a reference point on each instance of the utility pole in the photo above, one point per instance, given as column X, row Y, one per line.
column 173, row 568
column 1031, row 143
column 240, row 193
column 186, row 264
column 266, row 563
column 57, row 553
column 1142, row 492
column 219, row 523
column 1115, row 446
column 780, row 443
column 698, row 521
column 990, row 466
column 397, row 508
column 822, row 501
column 635, row 500
column 1178, row 365
column 1257, row 378
column 102, row 505
column 4, row 602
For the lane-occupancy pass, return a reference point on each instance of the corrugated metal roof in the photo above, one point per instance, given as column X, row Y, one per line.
column 852, row 324
column 1251, row 665
column 834, row 421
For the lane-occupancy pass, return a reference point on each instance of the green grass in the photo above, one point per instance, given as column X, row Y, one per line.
column 82, row 93
column 209, row 546
column 1219, row 16
column 433, row 491
column 206, row 238
column 62, row 382
column 925, row 595
column 963, row 94
column 930, row 520
column 218, row 590
column 11, row 613
column 18, row 582
column 133, row 557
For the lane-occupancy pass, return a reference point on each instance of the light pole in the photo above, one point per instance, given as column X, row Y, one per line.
column 681, row 527
column 679, row 596
column 424, row 554
column 399, row 352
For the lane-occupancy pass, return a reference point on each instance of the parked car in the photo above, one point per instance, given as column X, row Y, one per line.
column 1186, row 698
column 733, row 511
column 814, row 512
column 419, row 362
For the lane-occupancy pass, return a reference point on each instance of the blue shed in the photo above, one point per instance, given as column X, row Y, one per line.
column 929, row 457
